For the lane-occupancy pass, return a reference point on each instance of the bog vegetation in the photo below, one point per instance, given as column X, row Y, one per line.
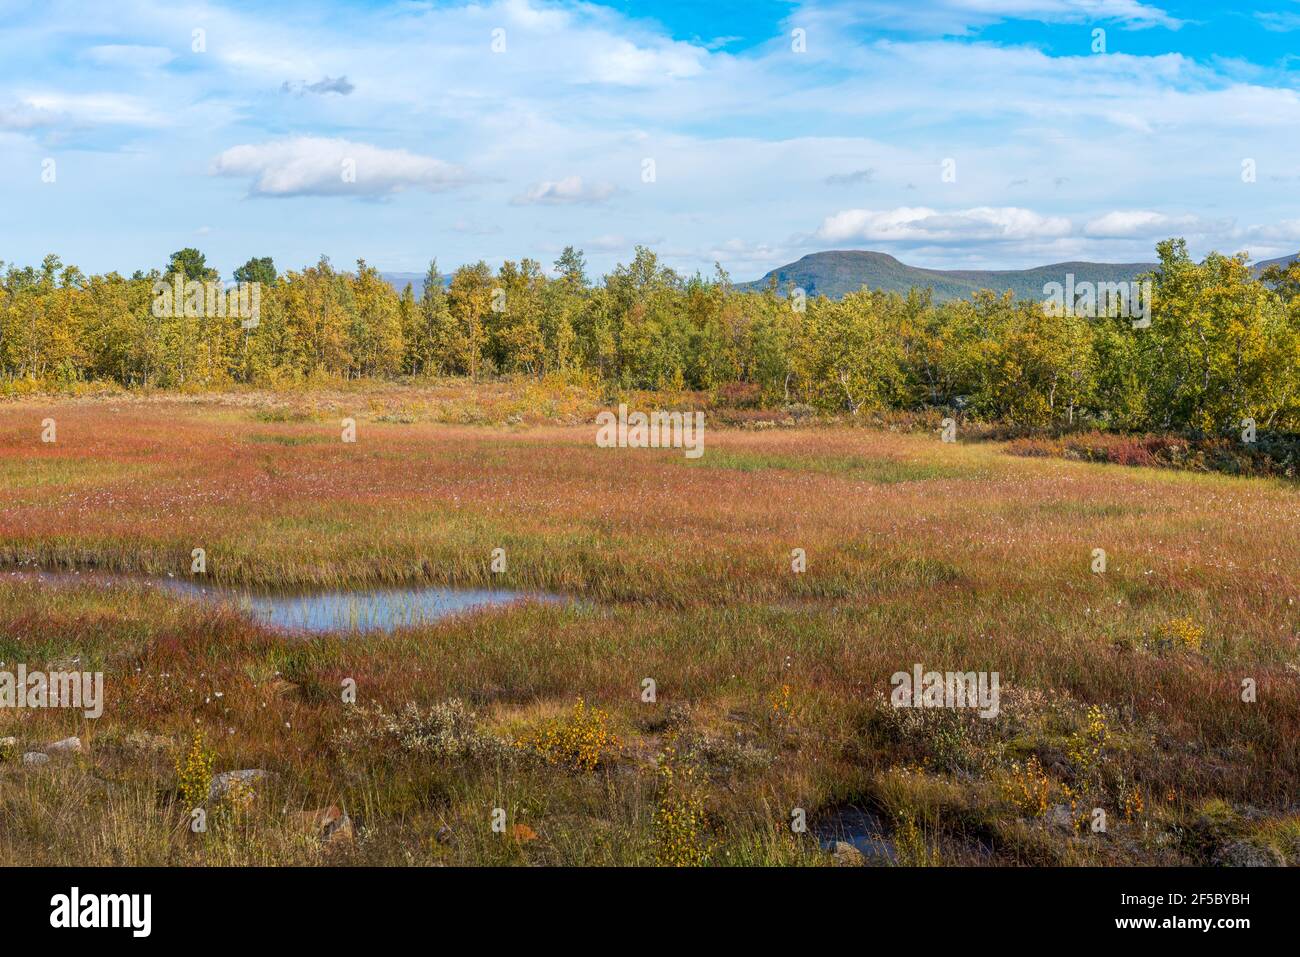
column 525, row 734
column 1222, row 345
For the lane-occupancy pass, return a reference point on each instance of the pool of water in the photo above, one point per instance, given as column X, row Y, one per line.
column 318, row 610
column 857, row 827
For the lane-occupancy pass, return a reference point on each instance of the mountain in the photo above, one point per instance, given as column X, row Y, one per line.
column 842, row 271
column 1259, row 267
column 838, row 272
column 399, row 281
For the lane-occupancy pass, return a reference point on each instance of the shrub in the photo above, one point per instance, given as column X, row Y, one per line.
column 1182, row 634
column 446, row 731
column 680, row 817
column 194, row 773
column 577, row 741
column 1087, row 746
column 1027, row 787
column 910, row 845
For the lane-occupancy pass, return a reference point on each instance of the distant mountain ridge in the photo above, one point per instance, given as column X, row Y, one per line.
column 837, row 272
column 1260, row 266
column 400, row 280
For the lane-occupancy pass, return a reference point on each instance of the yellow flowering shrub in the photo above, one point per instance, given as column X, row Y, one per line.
column 1087, row 747
column 194, row 773
column 1182, row 633
column 1028, row 787
column 576, row 741
column 1134, row 805
column 783, row 707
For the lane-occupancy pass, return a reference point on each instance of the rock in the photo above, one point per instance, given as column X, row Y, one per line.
column 65, row 746
column 36, row 757
column 1245, row 854
column 339, row 831
column 522, row 833
column 8, row 749
column 222, row 783
column 844, row 854
column 1060, row 815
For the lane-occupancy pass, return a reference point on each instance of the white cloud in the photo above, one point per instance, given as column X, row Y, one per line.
column 1144, row 222
column 745, row 139
column 79, row 110
column 570, row 191
column 624, row 62
column 740, row 253
column 1285, row 231
column 1279, row 22
column 314, row 166
column 920, row 223
column 955, row 17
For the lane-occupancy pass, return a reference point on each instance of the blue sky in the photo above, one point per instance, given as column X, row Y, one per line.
column 955, row 133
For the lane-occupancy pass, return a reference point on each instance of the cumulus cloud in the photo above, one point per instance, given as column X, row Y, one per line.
column 570, row 191
column 920, row 223
column 1142, row 222
column 315, row 166
column 764, row 136
column 623, row 62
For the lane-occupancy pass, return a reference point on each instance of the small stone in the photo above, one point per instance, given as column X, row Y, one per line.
column 1245, row 854
column 65, row 746
column 36, row 757
column 1060, row 815
column 844, row 854
column 223, row 782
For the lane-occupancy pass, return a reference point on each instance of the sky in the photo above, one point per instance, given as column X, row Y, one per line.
column 950, row 133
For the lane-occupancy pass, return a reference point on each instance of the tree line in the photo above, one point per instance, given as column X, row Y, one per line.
column 1222, row 344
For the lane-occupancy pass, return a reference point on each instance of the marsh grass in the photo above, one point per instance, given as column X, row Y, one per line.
column 770, row 681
